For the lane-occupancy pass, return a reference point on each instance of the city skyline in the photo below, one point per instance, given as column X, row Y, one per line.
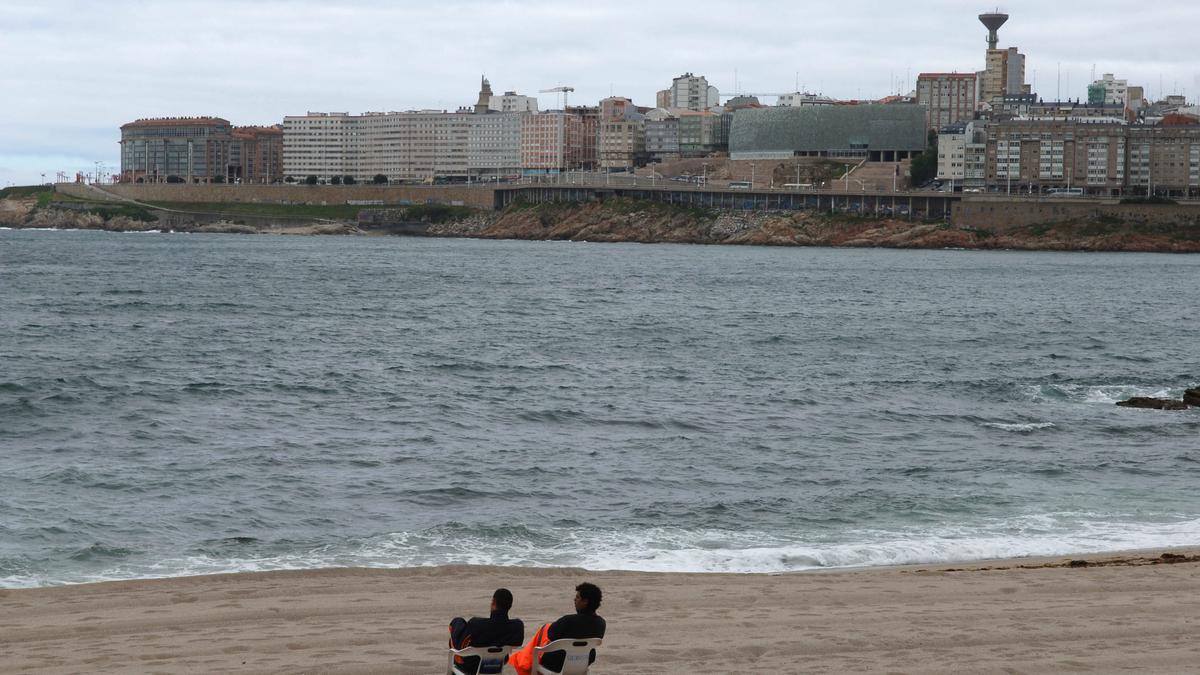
column 254, row 63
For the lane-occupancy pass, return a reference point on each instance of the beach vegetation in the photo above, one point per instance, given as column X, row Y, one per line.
column 380, row 179
column 349, row 180
column 311, row 180
column 437, row 213
column 15, row 191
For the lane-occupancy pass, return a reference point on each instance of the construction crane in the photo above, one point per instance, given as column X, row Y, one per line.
column 559, row 90
column 755, row 94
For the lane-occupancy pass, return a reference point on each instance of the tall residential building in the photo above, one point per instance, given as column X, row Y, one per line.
column 494, row 144
column 320, row 144
column 175, row 149
column 947, row 97
column 1004, row 74
column 692, row 92
column 621, row 142
column 552, row 142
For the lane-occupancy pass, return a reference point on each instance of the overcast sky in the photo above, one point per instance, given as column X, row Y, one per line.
column 72, row 73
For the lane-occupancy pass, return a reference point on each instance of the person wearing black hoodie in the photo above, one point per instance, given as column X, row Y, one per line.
column 584, row 623
column 496, row 630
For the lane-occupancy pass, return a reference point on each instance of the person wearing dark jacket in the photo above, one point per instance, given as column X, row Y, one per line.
column 496, row 630
column 584, row 623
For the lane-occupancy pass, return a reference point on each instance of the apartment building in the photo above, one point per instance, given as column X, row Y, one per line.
column 175, row 149
column 413, row 146
column 1004, row 73
column 512, row 102
column 494, row 145
column 802, row 98
column 948, row 97
column 700, row 133
column 691, row 92
column 662, row 135
column 1109, row 90
column 256, row 155
column 320, row 144
column 1164, row 159
column 962, row 155
column 552, row 142
column 1099, row 156
column 1039, row 155
column 621, row 141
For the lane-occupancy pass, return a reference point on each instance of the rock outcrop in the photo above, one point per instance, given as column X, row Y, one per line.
column 626, row 220
column 1153, row 403
column 1192, row 397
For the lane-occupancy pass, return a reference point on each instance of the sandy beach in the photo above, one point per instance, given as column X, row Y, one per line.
column 1116, row 613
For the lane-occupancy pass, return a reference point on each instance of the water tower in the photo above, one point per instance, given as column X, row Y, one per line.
column 993, row 21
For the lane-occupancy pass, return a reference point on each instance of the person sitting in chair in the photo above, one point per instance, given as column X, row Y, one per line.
column 583, row 624
column 496, row 630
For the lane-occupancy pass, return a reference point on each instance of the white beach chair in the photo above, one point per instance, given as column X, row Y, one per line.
column 576, row 661
column 491, row 660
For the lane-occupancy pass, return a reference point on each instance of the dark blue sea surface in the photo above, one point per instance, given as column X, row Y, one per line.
column 177, row 404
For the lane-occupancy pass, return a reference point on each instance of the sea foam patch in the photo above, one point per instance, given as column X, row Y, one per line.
column 679, row 550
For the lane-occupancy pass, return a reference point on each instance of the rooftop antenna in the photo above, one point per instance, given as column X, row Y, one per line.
column 993, row 21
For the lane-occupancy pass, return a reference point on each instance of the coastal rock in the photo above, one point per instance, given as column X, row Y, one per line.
column 1153, row 403
column 1192, row 396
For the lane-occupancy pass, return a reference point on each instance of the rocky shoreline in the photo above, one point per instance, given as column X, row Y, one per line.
column 651, row 222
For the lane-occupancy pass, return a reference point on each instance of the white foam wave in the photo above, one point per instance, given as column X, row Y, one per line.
column 678, row 550
column 1016, row 426
column 1099, row 394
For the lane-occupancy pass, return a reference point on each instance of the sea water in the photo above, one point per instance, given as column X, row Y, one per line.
column 179, row 404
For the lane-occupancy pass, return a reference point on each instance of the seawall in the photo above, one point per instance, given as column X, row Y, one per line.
column 1001, row 214
column 480, row 197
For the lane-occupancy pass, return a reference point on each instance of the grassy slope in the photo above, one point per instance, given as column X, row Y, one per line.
column 433, row 212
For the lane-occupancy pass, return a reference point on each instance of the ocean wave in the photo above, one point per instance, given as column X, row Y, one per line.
column 1019, row 426
column 646, row 550
column 1097, row 393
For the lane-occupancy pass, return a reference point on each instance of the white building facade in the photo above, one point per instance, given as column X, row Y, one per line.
column 693, row 93
column 414, row 146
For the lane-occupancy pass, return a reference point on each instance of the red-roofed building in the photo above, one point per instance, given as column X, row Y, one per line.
column 1178, row 120
column 256, row 155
